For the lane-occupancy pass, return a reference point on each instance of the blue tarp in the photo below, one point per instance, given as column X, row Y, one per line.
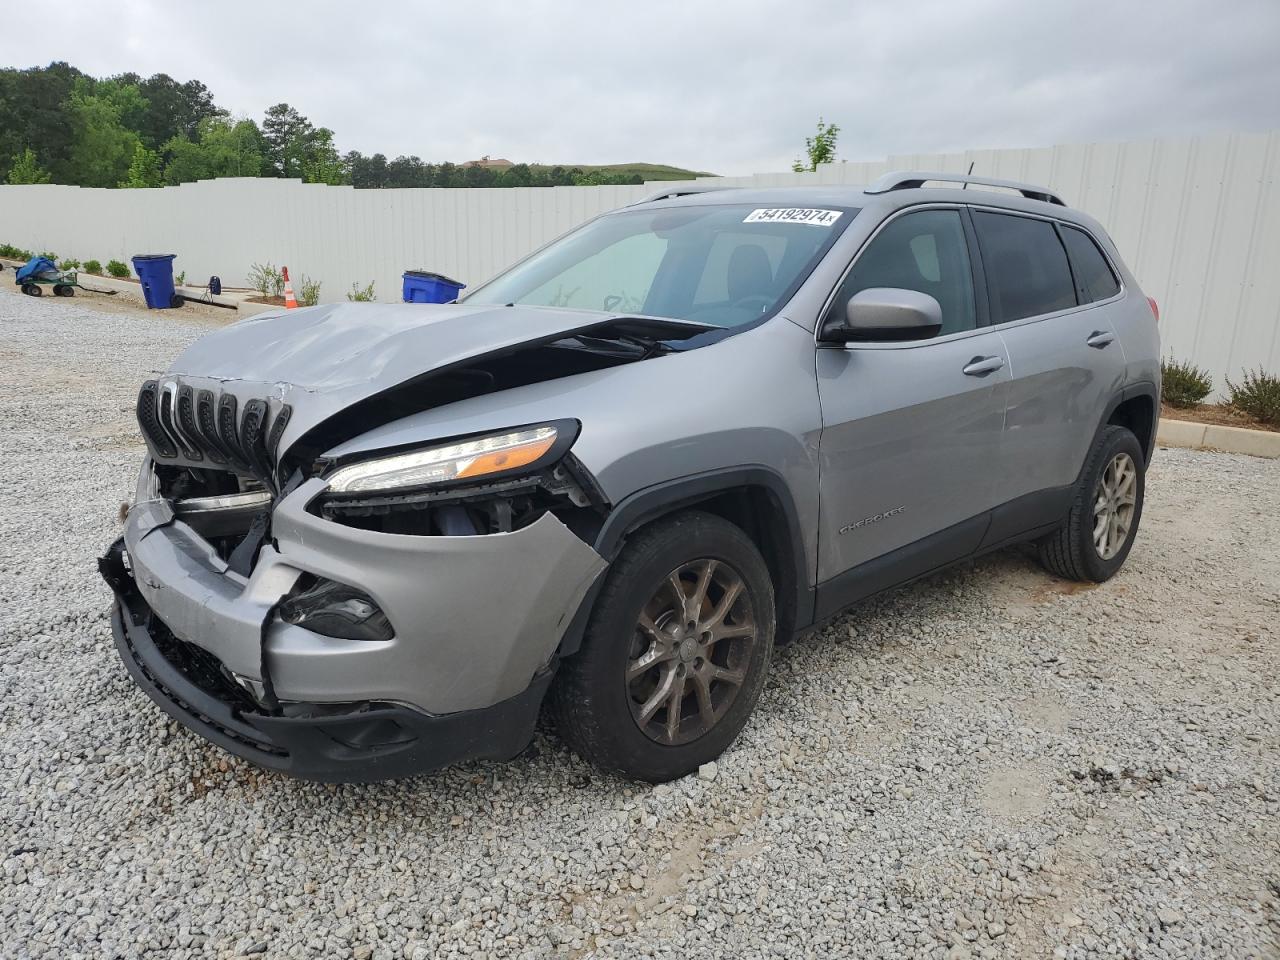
column 41, row 267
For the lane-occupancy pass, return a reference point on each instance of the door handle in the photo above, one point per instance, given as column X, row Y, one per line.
column 981, row 366
column 1100, row 338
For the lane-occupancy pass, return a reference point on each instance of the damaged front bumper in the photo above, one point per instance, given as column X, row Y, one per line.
column 477, row 622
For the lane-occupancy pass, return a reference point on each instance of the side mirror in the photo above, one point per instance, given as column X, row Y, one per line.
column 885, row 314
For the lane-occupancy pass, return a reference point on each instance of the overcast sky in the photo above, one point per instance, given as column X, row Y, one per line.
column 730, row 87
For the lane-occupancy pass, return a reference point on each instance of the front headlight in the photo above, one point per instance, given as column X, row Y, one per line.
column 496, row 453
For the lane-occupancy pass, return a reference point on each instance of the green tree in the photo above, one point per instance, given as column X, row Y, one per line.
column 517, row 175
column 447, row 175
column 125, row 97
column 145, row 170
column 33, row 114
column 174, row 109
column 101, row 148
column 223, row 148
column 368, row 172
column 286, row 133
column 320, row 160
column 25, row 169
column 820, row 148
column 407, row 172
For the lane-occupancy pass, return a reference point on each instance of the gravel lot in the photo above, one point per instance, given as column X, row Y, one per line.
column 990, row 763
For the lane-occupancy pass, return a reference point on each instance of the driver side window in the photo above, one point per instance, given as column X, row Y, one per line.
column 926, row 252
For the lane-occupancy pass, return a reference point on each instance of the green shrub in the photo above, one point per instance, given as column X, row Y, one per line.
column 181, row 279
column 361, row 294
column 308, row 291
column 92, row 266
column 50, row 254
column 11, row 252
column 69, row 265
column 117, row 269
column 1183, row 384
column 1258, row 395
column 266, row 279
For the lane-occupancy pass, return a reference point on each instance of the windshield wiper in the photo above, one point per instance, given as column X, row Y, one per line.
column 622, row 346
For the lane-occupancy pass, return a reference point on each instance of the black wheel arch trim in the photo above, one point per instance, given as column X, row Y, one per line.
column 1140, row 388
column 650, row 503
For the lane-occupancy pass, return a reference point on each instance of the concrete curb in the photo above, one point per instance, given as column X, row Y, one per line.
column 1212, row 436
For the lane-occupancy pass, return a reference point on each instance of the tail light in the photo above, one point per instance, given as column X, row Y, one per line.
column 1155, row 308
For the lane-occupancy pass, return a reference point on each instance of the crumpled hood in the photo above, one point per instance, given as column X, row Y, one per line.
column 320, row 360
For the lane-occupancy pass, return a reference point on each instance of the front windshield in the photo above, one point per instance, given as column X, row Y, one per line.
column 721, row 265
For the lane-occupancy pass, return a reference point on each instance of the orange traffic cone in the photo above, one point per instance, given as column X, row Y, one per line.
column 290, row 301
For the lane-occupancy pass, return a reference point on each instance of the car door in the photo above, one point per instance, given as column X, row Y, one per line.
column 1066, row 360
column 910, row 431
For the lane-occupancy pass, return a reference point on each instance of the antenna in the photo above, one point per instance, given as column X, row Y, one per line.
column 967, row 173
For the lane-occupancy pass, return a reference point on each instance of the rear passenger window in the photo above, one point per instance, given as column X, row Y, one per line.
column 1093, row 273
column 925, row 252
column 1025, row 264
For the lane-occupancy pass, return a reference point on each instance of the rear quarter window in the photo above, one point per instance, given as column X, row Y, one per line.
column 1094, row 275
column 1026, row 266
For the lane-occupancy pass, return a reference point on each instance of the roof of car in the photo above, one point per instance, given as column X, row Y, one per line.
column 896, row 189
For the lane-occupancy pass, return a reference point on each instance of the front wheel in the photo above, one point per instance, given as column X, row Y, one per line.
column 1105, row 510
column 675, row 653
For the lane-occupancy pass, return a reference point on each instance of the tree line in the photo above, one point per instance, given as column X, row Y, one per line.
column 60, row 125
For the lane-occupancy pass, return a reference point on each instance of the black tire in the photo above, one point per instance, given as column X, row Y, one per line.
column 1070, row 551
column 31, row 289
column 595, row 705
column 63, row 290
column 176, row 301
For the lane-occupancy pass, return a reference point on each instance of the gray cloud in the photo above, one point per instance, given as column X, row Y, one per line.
column 732, row 88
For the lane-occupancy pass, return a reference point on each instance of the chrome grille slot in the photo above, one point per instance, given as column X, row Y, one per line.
column 228, row 431
column 208, row 427
column 253, row 436
column 168, row 394
column 149, row 421
column 277, row 431
column 187, row 422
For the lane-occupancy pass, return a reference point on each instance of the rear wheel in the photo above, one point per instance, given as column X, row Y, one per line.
column 31, row 289
column 1105, row 511
column 675, row 653
column 64, row 290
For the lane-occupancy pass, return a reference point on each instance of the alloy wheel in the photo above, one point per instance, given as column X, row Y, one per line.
column 1113, row 505
column 691, row 651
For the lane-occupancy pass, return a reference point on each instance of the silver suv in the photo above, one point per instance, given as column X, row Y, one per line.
column 370, row 540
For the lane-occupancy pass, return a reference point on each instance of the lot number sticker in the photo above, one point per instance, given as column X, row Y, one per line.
column 816, row 218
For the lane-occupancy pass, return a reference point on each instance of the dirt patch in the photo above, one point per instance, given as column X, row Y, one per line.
column 1218, row 414
column 128, row 303
column 1017, row 583
column 1014, row 793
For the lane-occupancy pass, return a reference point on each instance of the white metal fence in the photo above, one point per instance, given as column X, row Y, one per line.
column 1197, row 220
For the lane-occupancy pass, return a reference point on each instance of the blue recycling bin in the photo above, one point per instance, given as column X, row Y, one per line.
column 155, row 271
column 423, row 287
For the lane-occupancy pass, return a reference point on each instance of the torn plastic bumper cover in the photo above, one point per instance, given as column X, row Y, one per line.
column 372, row 741
column 462, row 677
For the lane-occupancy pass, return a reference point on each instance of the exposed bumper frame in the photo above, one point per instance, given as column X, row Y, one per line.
column 373, row 741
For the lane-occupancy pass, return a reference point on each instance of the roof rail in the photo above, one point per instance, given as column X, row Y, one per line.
column 909, row 180
column 687, row 190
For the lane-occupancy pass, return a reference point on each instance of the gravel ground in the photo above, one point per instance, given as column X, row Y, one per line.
column 987, row 764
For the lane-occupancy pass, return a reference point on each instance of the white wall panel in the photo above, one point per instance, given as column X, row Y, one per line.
column 1198, row 222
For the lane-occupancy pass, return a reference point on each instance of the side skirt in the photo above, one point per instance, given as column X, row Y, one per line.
column 1022, row 519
